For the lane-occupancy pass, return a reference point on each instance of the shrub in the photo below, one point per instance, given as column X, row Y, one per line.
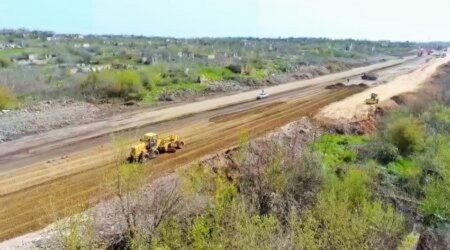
column 437, row 199
column 406, row 134
column 380, row 150
column 437, row 192
column 347, row 217
column 216, row 73
column 124, row 84
column 235, row 68
column 337, row 149
column 127, row 85
column 4, row 62
column 7, row 98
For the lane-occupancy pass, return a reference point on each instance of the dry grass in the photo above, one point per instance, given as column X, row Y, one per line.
column 7, row 99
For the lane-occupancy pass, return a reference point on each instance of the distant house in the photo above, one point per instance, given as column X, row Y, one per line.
column 211, row 57
column 72, row 71
column 144, row 60
column 33, row 57
column 91, row 68
column 10, row 46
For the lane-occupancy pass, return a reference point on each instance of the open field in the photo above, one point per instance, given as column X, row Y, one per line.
column 47, row 175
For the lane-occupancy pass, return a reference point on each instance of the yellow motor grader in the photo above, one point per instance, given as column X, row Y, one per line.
column 372, row 100
column 151, row 146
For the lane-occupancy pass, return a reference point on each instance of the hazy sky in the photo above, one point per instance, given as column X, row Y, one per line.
column 372, row 19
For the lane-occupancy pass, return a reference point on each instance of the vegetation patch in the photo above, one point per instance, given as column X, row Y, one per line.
column 7, row 99
column 218, row 73
column 337, row 149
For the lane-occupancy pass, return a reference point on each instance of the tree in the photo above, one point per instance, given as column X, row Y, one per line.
column 4, row 62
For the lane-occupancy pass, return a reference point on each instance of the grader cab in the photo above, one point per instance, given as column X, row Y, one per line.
column 150, row 146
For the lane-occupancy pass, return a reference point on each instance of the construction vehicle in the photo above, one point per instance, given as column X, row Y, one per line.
column 373, row 99
column 370, row 76
column 151, row 146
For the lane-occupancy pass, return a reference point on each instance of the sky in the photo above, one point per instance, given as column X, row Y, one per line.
column 399, row 20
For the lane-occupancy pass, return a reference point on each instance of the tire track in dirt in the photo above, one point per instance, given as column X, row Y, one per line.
column 41, row 204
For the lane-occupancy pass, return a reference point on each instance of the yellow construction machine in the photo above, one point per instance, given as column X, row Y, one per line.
column 373, row 99
column 151, row 146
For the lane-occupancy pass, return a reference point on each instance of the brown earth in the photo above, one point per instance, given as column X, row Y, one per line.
column 353, row 108
column 55, row 174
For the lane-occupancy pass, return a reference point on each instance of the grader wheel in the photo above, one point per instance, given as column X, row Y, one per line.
column 171, row 150
column 180, row 144
column 154, row 154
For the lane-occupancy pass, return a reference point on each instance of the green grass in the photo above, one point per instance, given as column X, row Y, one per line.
column 257, row 74
column 153, row 95
column 217, row 73
column 8, row 52
column 403, row 167
column 336, row 149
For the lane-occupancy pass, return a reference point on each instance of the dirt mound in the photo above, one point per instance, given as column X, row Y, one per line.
column 366, row 126
column 407, row 98
column 340, row 85
column 293, row 137
column 363, row 85
column 335, row 86
column 226, row 86
column 45, row 116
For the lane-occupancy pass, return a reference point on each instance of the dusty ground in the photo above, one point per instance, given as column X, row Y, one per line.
column 353, row 107
column 44, row 116
column 109, row 225
column 61, row 172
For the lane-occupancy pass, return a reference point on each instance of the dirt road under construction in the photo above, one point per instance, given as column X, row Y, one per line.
column 52, row 174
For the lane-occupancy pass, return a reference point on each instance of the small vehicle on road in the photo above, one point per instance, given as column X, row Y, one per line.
column 370, row 76
column 262, row 95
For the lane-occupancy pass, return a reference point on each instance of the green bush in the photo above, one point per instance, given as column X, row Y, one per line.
column 406, row 134
column 7, row 99
column 379, row 150
column 347, row 217
column 401, row 167
column 4, row 62
column 216, row 73
column 437, row 192
column 337, row 149
column 123, row 84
